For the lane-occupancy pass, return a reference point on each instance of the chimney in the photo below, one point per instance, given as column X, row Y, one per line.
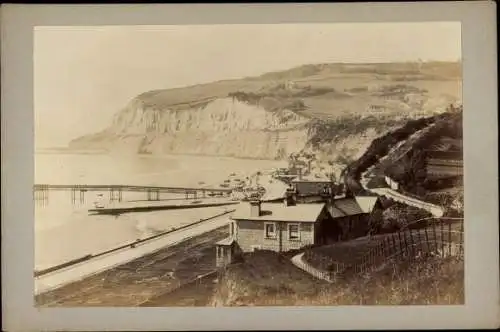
column 300, row 173
column 290, row 197
column 255, row 208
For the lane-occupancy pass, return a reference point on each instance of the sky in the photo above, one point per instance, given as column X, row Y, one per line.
column 84, row 75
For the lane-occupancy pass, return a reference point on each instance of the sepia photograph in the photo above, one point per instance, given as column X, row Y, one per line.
column 248, row 165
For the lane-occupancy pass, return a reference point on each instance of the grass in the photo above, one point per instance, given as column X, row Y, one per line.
column 430, row 281
column 265, row 280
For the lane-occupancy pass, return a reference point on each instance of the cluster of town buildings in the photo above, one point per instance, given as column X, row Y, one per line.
column 314, row 211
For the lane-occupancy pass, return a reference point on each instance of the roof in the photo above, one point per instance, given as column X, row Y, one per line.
column 366, row 203
column 312, row 179
column 352, row 206
column 280, row 212
column 226, row 242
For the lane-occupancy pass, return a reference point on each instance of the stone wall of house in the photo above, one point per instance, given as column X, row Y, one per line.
column 251, row 234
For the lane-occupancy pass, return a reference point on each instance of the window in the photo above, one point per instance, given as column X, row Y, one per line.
column 270, row 230
column 293, row 232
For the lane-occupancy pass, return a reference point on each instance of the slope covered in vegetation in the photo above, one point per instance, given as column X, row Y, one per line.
column 266, row 279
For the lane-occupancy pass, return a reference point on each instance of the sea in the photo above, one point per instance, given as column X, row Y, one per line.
column 64, row 230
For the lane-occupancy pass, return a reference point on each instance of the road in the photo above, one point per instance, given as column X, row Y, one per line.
column 79, row 271
column 435, row 210
column 395, row 195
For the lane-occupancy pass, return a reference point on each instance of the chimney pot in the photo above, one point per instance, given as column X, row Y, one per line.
column 255, row 208
column 289, row 197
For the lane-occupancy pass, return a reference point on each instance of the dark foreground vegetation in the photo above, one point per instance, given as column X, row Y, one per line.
column 445, row 123
column 265, row 279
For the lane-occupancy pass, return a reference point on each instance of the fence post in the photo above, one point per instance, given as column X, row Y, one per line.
column 393, row 249
column 400, row 244
column 407, row 249
column 426, row 239
column 461, row 252
column 414, row 249
column 387, row 247
column 449, row 238
column 409, row 243
column 435, row 236
column 380, row 252
column 387, row 250
column 442, row 238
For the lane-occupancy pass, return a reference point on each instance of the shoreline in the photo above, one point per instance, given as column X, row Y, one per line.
column 92, row 290
column 148, row 155
column 171, row 170
column 123, row 255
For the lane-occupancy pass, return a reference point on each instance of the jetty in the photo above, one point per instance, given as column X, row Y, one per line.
column 145, row 206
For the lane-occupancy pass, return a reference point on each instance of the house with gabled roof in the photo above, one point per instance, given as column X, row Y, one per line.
column 353, row 217
column 287, row 225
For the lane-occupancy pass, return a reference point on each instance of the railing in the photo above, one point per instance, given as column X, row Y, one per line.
column 438, row 239
column 330, row 275
column 41, row 187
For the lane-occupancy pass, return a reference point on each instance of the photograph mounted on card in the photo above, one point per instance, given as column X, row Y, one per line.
column 274, row 167
column 285, row 164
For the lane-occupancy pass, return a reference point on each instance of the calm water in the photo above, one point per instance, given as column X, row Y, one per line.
column 64, row 231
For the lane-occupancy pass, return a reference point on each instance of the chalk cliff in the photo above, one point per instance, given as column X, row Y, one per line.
column 224, row 126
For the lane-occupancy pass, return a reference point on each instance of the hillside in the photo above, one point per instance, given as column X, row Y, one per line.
column 265, row 279
column 278, row 113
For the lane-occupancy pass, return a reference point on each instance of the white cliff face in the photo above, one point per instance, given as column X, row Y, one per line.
column 220, row 115
column 225, row 127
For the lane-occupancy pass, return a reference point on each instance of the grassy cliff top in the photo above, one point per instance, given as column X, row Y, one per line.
column 316, row 85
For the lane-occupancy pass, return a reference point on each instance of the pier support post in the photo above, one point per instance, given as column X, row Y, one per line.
column 120, row 195
column 73, row 195
column 46, row 200
column 41, row 195
column 82, row 196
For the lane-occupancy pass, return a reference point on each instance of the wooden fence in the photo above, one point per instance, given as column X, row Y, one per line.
column 444, row 237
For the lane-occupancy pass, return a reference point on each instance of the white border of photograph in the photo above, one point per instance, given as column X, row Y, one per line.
column 480, row 152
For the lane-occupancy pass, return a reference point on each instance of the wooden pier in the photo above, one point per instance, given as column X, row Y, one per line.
column 115, row 192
